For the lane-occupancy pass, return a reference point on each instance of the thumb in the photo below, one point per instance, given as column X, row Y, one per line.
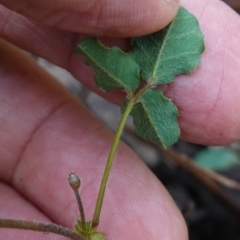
column 110, row 18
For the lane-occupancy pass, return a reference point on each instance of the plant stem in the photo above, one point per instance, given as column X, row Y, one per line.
column 81, row 209
column 40, row 227
column 97, row 212
column 75, row 183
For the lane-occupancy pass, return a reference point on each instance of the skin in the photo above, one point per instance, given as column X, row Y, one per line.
column 45, row 133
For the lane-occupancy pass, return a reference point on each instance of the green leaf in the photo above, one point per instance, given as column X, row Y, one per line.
column 97, row 236
column 155, row 118
column 174, row 50
column 217, row 159
column 113, row 68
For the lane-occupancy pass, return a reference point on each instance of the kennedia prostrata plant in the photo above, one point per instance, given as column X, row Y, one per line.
column 154, row 59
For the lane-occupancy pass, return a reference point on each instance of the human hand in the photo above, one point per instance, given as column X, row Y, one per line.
column 209, row 109
column 45, row 133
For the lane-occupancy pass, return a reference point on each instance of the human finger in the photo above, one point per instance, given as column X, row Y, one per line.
column 45, row 133
column 14, row 206
column 99, row 18
column 203, row 98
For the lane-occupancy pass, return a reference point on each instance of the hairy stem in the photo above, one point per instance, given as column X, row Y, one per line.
column 40, row 227
column 81, row 209
column 111, row 156
column 131, row 103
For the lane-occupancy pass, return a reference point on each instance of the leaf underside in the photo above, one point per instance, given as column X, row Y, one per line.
column 155, row 118
column 156, row 58
column 174, row 50
column 113, row 68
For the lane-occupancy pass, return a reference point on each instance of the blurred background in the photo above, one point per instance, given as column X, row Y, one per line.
column 203, row 181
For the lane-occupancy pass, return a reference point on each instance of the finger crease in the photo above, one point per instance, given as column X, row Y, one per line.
column 33, row 133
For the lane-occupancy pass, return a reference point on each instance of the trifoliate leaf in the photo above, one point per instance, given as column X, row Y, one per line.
column 155, row 118
column 113, row 68
column 174, row 50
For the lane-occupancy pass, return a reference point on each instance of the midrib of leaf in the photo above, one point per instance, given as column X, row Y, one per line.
column 161, row 49
column 152, row 124
column 100, row 66
column 104, row 69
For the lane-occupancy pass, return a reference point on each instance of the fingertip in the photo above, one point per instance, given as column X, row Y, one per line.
column 100, row 18
column 140, row 19
column 128, row 19
column 158, row 15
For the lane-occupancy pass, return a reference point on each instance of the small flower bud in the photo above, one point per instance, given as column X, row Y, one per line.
column 74, row 181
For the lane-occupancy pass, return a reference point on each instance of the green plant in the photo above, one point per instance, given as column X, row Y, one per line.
column 154, row 59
